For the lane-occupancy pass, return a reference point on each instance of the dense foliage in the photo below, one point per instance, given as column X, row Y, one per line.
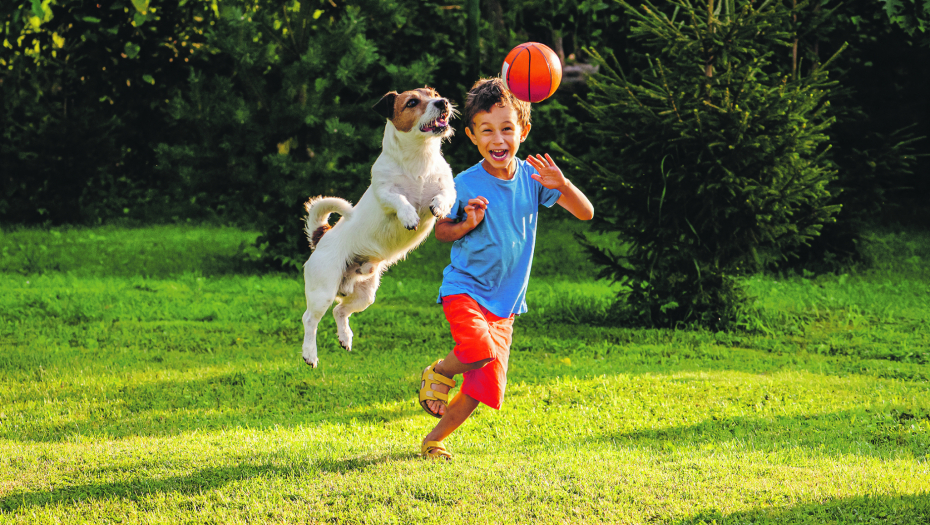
column 882, row 119
column 237, row 111
column 83, row 86
column 280, row 108
column 911, row 15
column 709, row 161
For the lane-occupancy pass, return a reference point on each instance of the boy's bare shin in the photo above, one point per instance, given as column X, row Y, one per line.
column 460, row 409
column 450, row 366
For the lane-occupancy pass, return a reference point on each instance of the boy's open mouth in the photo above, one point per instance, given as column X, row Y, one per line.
column 498, row 154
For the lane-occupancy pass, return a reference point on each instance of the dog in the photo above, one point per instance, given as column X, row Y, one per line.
column 411, row 186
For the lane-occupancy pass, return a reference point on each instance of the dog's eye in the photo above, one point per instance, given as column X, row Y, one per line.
column 412, row 102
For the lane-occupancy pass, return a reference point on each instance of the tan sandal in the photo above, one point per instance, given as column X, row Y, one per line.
column 435, row 450
column 429, row 378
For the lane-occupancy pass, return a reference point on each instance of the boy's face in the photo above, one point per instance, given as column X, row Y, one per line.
column 498, row 135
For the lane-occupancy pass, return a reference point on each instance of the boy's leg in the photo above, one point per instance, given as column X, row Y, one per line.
column 471, row 331
column 450, row 367
column 460, row 408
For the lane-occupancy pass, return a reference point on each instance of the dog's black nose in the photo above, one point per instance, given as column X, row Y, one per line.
column 441, row 103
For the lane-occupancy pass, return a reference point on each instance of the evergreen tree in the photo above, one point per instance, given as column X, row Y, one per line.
column 708, row 163
column 280, row 107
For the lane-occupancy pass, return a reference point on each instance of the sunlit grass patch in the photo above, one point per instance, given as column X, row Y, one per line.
column 180, row 396
column 156, row 251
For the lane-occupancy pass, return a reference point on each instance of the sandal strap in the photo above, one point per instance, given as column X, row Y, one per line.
column 431, row 376
column 432, row 444
column 435, row 449
column 427, row 394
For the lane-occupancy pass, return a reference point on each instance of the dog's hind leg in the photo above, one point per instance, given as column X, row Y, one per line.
column 321, row 282
column 362, row 297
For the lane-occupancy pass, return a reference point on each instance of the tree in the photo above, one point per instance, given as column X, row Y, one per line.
column 279, row 108
column 913, row 16
column 708, row 162
column 83, row 86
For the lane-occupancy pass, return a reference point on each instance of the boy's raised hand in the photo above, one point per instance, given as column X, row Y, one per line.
column 549, row 175
column 475, row 211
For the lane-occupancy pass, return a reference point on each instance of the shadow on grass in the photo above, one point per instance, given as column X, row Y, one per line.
column 884, row 435
column 194, row 483
column 378, row 384
column 155, row 251
column 670, row 351
column 348, row 387
column 282, row 398
column 889, row 510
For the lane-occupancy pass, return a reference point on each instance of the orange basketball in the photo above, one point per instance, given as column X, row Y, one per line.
column 532, row 72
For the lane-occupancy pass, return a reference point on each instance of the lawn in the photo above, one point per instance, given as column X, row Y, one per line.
column 150, row 375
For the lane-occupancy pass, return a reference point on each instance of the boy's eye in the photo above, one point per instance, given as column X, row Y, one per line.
column 412, row 102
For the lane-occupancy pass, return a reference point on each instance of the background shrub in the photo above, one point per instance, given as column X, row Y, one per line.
column 81, row 92
column 237, row 111
column 709, row 161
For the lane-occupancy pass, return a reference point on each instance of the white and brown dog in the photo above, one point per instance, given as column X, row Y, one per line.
column 411, row 185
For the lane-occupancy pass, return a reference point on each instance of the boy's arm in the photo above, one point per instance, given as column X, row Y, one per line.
column 572, row 198
column 449, row 230
column 575, row 202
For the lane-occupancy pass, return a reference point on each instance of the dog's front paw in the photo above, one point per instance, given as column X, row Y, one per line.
column 439, row 207
column 408, row 218
column 345, row 339
column 310, row 357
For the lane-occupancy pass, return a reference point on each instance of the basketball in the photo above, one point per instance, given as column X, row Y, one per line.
column 532, row 72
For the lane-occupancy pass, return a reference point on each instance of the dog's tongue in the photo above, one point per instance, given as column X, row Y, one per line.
column 438, row 123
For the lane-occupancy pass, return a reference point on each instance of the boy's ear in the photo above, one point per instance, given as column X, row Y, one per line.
column 525, row 132
column 385, row 106
column 471, row 135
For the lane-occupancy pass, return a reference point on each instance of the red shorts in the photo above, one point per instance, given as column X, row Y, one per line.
column 479, row 334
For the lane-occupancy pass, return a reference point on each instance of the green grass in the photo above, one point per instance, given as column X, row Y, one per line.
column 149, row 376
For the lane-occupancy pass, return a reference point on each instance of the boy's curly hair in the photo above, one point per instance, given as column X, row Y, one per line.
column 489, row 92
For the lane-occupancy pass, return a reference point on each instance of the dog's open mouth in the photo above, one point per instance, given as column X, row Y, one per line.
column 437, row 126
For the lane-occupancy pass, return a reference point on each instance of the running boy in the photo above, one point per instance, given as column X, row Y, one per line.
column 493, row 227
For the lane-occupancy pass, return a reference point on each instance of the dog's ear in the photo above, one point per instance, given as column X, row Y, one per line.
column 385, row 106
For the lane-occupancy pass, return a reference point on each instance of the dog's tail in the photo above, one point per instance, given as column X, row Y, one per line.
column 318, row 211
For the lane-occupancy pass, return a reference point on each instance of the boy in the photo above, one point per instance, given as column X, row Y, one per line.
column 493, row 225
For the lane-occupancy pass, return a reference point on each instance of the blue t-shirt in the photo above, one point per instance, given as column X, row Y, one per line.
column 492, row 262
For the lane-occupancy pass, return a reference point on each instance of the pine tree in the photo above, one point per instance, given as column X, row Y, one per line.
column 706, row 160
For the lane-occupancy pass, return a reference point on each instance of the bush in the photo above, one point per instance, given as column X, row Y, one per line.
column 280, row 109
column 81, row 91
column 708, row 162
